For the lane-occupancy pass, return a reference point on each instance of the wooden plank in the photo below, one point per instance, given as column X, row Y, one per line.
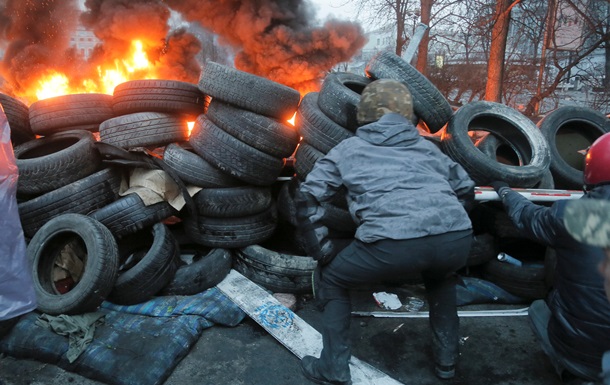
column 288, row 328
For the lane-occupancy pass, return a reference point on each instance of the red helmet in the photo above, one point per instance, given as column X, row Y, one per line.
column 597, row 161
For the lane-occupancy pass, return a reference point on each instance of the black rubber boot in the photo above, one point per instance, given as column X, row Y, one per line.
column 309, row 365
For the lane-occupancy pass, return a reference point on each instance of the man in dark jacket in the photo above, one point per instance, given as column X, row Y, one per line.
column 403, row 193
column 573, row 323
column 588, row 220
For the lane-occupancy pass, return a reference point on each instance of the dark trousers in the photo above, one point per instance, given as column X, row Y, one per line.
column 436, row 257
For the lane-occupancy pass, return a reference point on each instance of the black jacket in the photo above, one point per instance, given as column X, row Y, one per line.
column 579, row 328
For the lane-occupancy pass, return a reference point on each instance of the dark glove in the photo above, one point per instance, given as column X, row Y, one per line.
column 501, row 188
column 314, row 235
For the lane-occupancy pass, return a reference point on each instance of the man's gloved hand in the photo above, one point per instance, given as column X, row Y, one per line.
column 501, row 188
column 315, row 237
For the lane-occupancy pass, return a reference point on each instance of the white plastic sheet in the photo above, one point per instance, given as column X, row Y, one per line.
column 17, row 294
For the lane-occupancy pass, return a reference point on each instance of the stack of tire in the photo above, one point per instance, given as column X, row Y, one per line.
column 87, row 243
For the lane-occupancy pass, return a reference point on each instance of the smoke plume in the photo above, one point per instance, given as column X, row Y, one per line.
column 271, row 38
column 275, row 39
column 38, row 36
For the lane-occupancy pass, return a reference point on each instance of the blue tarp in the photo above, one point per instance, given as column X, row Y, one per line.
column 136, row 345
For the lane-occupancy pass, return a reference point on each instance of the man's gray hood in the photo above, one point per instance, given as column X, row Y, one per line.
column 391, row 130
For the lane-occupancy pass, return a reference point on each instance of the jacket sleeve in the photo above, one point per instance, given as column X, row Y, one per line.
column 536, row 222
column 462, row 185
column 321, row 184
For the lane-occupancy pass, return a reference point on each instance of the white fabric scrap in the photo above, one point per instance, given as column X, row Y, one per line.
column 388, row 301
column 154, row 186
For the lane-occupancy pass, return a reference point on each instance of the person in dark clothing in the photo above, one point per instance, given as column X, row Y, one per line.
column 573, row 322
column 404, row 194
column 588, row 220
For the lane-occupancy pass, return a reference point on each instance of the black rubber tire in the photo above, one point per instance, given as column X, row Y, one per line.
column 231, row 202
column 568, row 130
column 229, row 233
column 153, row 95
column 233, row 156
column 340, row 96
column 305, row 157
column 148, row 262
column 56, row 160
column 275, row 271
column 506, row 123
column 199, row 268
column 338, row 218
column 261, row 132
column 524, row 281
column 484, row 248
column 129, row 214
column 81, row 197
column 70, row 112
column 428, row 103
column 144, row 129
column 100, row 259
column 248, row 91
column 195, row 170
column 316, row 128
column 499, row 150
column 18, row 116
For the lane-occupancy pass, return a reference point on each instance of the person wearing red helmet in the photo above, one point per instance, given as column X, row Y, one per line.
column 597, row 163
column 573, row 322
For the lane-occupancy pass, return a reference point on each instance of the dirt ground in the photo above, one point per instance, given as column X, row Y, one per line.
column 494, row 350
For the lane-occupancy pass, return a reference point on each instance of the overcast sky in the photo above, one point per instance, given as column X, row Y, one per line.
column 340, row 9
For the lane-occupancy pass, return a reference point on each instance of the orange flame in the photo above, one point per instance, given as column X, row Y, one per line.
column 137, row 66
column 292, row 120
column 190, row 127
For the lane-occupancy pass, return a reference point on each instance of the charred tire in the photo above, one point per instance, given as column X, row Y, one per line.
column 81, row 197
column 167, row 96
column 232, row 202
column 263, row 133
column 316, row 128
column 275, row 271
column 129, row 214
column 70, row 112
column 248, row 91
column 193, row 169
column 306, row 157
column 199, row 268
column 98, row 251
column 229, row 233
column 428, row 103
column 510, row 125
column 499, row 150
column 148, row 262
column 340, row 96
column 144, row 129
column 54, row 161
column 233, row 156
column 568, row 130
column 523, row 281
column 18, row 116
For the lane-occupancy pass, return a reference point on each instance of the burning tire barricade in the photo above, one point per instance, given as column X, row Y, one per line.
column 90, row 241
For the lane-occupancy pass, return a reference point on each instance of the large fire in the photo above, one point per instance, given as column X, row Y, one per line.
column 136, row 66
